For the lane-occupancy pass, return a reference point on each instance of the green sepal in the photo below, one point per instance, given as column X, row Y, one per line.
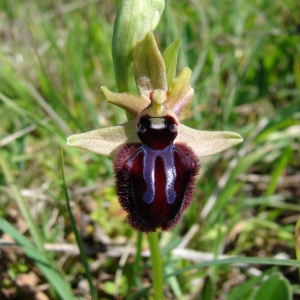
column 206, row 143
column 105, row 141
column 149, row 67
column 134, row 19
column 170, row 57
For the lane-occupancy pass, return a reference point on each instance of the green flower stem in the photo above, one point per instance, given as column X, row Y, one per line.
column 157, row 274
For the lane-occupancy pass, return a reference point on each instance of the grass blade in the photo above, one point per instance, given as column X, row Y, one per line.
column 11, row 182
column 75, row 230
column 58, row 283
column 239, row 260
column 297, row 242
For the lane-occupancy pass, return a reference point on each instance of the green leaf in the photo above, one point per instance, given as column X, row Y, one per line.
column 149, row 67
column 134, row 19
column 170, row 56
column 109, row 287
column 208, row 289
column 244, row 290
column 275, row 287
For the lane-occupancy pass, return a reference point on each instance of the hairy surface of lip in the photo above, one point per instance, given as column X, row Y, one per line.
column 155, row 187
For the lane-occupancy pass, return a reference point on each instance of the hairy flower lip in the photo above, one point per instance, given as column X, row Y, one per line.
column 158, row 201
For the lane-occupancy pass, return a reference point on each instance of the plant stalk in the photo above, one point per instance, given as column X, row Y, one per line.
column 157, row 274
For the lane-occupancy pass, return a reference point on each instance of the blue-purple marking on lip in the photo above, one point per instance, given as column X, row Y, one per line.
column 150, row 156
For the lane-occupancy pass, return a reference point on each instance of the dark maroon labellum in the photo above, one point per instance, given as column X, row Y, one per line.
column 155, row 179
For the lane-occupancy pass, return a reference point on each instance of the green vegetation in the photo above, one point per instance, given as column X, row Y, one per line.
column 236, row 241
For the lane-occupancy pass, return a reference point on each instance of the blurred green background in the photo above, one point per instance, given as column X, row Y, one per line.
column 55, row 56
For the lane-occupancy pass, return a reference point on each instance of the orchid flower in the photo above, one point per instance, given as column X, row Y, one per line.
column 156, row 158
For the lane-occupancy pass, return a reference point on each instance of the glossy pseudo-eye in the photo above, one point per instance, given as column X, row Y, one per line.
column 155, row 179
